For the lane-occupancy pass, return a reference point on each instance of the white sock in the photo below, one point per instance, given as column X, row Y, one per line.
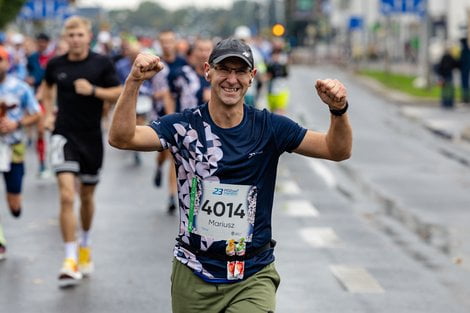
column 71, row 250
column 85, row 239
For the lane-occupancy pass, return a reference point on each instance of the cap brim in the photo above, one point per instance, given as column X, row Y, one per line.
column 232, row 55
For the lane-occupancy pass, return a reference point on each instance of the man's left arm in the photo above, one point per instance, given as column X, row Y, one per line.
column 336, row 143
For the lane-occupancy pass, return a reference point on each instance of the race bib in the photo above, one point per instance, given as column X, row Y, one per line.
column 223, row 212
column 5, row 157
column 57, row 150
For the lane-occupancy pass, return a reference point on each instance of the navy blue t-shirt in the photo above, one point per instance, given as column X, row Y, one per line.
column 244, row 157
column 184, row 84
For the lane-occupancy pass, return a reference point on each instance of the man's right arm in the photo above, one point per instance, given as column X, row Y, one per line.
column 47, row 99
column 123, row 132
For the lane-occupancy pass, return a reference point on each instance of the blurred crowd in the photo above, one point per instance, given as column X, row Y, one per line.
column 181, row 85
column 56, row 95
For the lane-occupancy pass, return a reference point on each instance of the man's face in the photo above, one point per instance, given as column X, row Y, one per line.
column 202, row 51
column 230, row 80
column 168, row 43
column 42, row 44
column 78, row 39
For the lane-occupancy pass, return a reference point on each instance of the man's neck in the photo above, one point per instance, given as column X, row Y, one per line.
column 226, row 116
column 78, row 57
column 169, row 58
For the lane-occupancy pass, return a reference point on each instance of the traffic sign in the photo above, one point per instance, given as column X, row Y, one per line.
column 355, row 22
column 388, row 7
column 45, row 9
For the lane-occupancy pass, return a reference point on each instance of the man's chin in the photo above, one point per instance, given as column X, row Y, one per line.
column 232, row 98
column 230, row 101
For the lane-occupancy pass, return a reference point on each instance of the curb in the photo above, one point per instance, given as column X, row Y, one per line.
column 394, row 95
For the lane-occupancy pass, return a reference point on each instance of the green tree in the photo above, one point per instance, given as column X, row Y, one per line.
column 150, row 18
column 9, row 9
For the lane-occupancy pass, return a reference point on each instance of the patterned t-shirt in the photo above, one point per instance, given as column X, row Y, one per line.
column 16, row 101
column 238, row 162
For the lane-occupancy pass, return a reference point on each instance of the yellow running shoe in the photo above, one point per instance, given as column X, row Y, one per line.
column 69, row 274
column 85, row 264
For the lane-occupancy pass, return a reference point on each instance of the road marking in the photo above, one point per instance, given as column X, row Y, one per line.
column 323, row 171
column 320, row 237
column 356, row 279
column 289, row 187
column 300, row 208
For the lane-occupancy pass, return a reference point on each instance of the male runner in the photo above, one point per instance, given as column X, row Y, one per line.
column 84, row 80
column 226, row 154
column 18, row 108
column 36, row 67
column 184, row 85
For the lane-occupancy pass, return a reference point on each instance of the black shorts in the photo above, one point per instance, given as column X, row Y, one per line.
column 14, row 178
column 80, row 153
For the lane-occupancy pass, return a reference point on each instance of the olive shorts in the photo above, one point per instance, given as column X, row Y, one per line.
column 191, row 294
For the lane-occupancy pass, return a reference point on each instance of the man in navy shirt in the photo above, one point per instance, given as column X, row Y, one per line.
column 226, row 154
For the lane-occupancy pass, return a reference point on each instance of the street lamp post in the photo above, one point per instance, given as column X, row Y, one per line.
column 424, row 78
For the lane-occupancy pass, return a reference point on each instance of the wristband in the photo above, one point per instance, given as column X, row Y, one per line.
column 341, row 111
column 93, row 91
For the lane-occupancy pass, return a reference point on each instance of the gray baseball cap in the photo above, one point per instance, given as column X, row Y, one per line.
column 231, row 47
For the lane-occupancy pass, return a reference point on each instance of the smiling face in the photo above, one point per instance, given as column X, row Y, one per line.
column 230, row 79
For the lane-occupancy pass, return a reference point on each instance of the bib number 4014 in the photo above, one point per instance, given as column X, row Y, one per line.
column 223, row 209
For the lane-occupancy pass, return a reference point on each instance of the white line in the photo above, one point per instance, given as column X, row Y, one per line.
column 320, row 237
column 323, row 171
column 300, row 208
column 289, row 187
column 356, row 279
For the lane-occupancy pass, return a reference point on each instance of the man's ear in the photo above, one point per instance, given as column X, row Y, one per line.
column 206, row 70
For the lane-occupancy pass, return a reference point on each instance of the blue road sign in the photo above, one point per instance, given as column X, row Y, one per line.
column 45, row 9
column 355, row 22
column 388, row 7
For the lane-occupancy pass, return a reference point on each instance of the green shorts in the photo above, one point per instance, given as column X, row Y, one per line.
column 191, row 294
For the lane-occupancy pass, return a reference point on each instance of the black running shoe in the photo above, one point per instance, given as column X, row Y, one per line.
column 157, row 180
column 172, row 206
column 15, row 212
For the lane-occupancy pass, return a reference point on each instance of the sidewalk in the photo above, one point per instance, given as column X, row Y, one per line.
column 451, row 124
